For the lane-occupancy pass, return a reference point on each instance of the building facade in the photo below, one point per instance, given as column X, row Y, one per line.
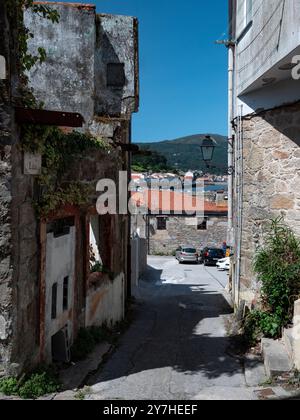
column 63, row 266
column 170, row 219
column 264, row 128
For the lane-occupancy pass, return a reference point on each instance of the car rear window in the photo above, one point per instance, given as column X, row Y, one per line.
column 190, row 250
column 216, row 253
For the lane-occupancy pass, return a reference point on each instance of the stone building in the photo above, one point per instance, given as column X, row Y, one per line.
column 202, row 223
column 264, row 109
column 63, row 267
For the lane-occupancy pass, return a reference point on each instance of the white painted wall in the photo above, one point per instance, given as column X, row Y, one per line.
column 271, row 41
column 2, row 68
column 106, row 303
column 60, row 263
column 274, row 34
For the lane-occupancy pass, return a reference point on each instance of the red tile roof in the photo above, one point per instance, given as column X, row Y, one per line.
column 170, row 201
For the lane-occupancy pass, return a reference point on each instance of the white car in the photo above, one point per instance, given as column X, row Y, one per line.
column 224, row 264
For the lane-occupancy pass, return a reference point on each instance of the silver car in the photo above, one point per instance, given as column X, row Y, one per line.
column 187, row 254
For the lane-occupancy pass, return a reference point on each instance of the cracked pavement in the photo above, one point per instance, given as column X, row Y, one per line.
column 177, row 347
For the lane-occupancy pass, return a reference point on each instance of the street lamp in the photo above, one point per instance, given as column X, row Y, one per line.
column 207, row 150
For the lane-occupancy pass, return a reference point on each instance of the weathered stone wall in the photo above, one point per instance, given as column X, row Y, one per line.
column 97, row 74
column 271, row 183
column 67, row 85
column 116, row 52
column 183, row 231
column 65, row 82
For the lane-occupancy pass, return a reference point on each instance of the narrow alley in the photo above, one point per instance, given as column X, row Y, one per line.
column 177, row 347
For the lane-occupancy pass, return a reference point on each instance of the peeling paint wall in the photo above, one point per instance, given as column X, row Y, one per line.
column 60, row 263
column 106, row 302
column 65, row 81
column 116, row 46
column 97, row 74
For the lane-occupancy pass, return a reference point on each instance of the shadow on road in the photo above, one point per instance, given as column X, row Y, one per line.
column 175, row 325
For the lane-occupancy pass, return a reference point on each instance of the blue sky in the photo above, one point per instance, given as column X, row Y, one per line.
column 183, row 73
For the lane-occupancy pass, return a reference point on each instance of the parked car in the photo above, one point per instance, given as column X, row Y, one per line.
column 185, row 254
column 210, row 256
column 224, row 264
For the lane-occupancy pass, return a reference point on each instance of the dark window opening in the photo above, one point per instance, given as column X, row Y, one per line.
column 116, row 75
column 202, row 224
column 161, row 223
column 54, row 301
column 106, row 240
column 60, row 346
column 66, row 294
column 61, row 227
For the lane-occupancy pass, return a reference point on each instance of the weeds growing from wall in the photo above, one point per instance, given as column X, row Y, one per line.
column 277, row 265
column 40, row 382
column 59, row 151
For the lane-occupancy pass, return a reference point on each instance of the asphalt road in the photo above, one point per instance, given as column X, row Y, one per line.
column 177, row 346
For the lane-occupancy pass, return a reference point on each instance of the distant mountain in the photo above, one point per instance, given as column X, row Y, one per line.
column 184, row 153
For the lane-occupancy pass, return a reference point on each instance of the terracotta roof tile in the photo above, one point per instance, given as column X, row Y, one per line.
column 170, row 201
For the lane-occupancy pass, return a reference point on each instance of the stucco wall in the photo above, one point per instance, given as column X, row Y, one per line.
column 138, row 259
column 271, row 181
column 65, row 81
column 75, row 78
column 106, row 302
column 183, row 231
column 60, row 263
column 116, row 43
column 274, row 34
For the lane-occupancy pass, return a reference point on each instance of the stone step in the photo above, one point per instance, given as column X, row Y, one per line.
column 276, row 359
column 289, row 342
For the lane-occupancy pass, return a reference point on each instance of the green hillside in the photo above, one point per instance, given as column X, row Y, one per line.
column 185, row 153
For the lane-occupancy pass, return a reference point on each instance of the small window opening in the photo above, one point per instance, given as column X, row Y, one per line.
column 54, row 301
column 66, row 294
column 116, row 75
column 161, row 223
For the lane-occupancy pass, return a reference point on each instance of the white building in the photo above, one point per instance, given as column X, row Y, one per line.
column 264, row 124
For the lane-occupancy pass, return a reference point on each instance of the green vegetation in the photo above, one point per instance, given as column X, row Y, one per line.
column 41, row 382
column 82, row 393
column 15, row 10
column 25, row 58
column 59, row 151
column 150, row 161
column 277, row 265
column 184, row 153
column 86, row 341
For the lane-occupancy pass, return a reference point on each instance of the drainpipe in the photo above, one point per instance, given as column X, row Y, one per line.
column 129, row 268
column 231, row 52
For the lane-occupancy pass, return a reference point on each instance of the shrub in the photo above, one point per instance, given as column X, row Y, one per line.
column 86, row 341
column 9, row 386
column 37, row 385
column 34, row 385
column 277, row 265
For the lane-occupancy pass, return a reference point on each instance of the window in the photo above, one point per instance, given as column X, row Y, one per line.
column 66, row 294
column 248, row 11
column 161, row 223
column 54, row 301
column 244, row 17
column 115, row 75
column 61, row 227
column 202, row 224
